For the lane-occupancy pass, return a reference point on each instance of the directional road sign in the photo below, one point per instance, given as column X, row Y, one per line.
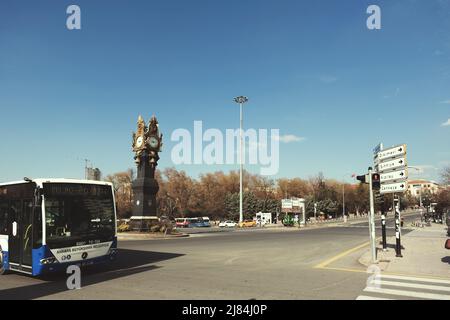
column 392, row 164
column 393, row 152
column 378, row 148
column 395, row 176
column 394, row 187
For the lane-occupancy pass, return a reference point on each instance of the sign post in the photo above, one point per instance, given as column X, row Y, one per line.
column 372, row 220
column 384, row 177
column 393, row 169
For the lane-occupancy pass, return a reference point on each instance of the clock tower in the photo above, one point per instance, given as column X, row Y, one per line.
column 147, row 143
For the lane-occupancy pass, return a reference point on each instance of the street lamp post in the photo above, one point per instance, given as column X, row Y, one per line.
column 240, row 100
column 420, row 190
column 343, row 202
column 344, row 217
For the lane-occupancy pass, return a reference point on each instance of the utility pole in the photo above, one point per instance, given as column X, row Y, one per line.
column 343, row 202
column 420, row 195
column 86, row 168
column 372, row 220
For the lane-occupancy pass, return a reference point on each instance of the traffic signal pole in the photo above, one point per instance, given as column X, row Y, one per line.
column 372, row 220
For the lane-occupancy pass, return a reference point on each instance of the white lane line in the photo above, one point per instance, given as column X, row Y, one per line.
column 410, row 285
column 404, row 293
column 371, row 298
column 387, row 276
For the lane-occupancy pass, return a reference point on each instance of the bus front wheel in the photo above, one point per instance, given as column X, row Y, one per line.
column 2, row 267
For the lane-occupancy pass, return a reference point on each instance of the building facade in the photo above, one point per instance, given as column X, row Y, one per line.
column 418, row 187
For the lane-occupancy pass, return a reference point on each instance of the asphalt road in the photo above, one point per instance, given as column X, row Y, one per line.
column 245, row 264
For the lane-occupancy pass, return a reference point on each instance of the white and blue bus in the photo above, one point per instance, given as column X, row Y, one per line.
column 48, row 224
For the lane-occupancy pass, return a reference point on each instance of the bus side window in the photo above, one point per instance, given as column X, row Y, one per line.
column 4, row 217
column 15, row 210
column 27, row 223
column 37, row 228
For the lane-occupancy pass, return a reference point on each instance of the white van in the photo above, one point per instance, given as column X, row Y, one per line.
column 264, row 218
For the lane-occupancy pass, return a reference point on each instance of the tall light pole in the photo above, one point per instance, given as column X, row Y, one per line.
column 240, row 100
column 343, row 201
column 344, row 217
column 86, row 168
column 420, row 190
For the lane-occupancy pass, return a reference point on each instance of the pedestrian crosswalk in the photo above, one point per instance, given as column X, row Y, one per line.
column 396, row 287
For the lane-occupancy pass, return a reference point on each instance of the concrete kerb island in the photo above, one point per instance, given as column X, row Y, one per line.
column 127, row 236
column 418, row 246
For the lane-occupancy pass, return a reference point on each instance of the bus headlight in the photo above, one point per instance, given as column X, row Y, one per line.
column 49, row 260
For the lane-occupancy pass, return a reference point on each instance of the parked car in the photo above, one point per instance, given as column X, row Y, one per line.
column 182, row 222
column 247, row 224
column 206, row 222
column 227, row 224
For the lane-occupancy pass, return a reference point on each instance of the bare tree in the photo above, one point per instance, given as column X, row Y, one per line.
column 122, row 182
column 446, row 175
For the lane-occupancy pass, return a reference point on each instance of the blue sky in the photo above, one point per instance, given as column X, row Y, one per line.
column 310, row 68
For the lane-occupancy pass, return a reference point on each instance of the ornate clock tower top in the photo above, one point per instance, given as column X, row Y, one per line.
column 147, row 142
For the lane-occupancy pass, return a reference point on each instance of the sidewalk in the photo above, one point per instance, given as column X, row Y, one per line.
column 423, row 253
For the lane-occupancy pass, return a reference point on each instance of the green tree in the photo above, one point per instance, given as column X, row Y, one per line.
column 328, row 206
column 250, row 205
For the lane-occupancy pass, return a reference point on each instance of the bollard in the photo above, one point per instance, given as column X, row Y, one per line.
column 383, row 231
column 398, row 246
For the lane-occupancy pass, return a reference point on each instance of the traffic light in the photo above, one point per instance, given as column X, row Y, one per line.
column 375, row 181
column 363, row 179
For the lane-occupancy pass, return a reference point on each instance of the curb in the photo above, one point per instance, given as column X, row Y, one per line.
column 144, row 236
column 366, row 259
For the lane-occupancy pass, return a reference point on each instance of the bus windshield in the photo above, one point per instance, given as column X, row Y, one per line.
column 76, row 214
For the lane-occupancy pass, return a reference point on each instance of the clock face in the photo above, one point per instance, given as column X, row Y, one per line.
column 153, row 141
column 139, row 142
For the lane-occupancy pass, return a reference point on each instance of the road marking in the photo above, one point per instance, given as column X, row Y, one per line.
column 343, row 269
column 433, row 288
column 391, row 274
column 341, row 255
column 371, row 298
column 410, row 285
column 399, row 277
column 366, row 227
column 405, row 293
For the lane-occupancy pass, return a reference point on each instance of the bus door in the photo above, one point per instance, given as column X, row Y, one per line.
column 21, row 234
